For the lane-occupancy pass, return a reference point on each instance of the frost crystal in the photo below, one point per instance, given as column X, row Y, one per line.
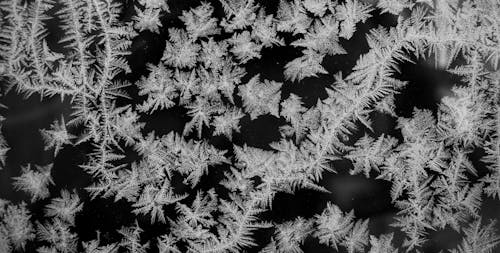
column 173, row 139
column 35, row 182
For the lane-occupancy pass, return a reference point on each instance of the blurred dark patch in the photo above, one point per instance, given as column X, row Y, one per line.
column 368, row 197
column 24, row 118
column 105, row 216
column 426, row 86
column 67, row 173
column 260, row 132
column 146, row 49
column 163, row 122
column 303, row 203
column 445, row 239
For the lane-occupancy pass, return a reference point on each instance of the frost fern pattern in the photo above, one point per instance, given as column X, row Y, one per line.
column 207, row 187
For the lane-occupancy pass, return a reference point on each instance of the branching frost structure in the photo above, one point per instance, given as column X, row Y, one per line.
column 203, row 71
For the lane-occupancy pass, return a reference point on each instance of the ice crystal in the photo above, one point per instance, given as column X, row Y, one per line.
column 202, row 182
